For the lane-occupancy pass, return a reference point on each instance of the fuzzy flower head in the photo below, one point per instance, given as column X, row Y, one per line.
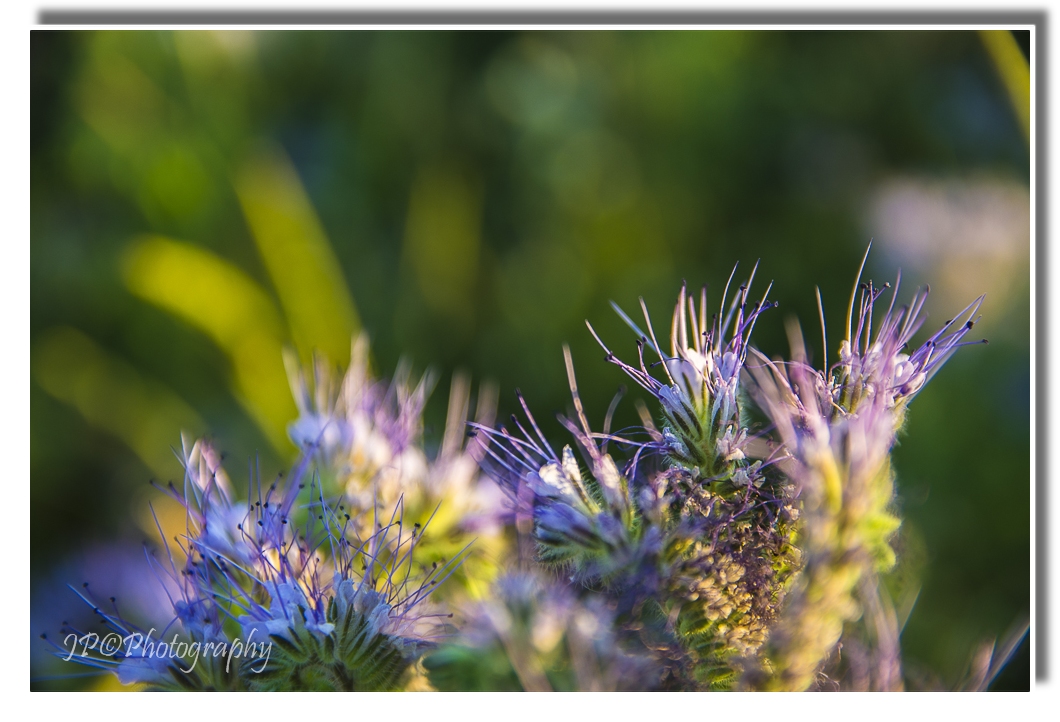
column 841, row 467
column 881, row 364
column 700, row 396
column 364, row 438
column 367, row 433
column 286, row 569
column 712, row 564
column 586, row 521
column 837, row 432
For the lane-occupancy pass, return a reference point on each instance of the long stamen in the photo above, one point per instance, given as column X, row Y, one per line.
column 853, row 293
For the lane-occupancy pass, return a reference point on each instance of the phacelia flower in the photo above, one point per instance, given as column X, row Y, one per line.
column 365, row 440
column 700, row 397
column 838, row 432
column 881, row 363
column 584, row 521
column 284, row 574
column 655, row 539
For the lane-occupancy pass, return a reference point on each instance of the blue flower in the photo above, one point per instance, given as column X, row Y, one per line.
column 284, row 570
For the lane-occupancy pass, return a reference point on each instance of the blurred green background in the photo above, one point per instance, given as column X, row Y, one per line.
column 202, row 199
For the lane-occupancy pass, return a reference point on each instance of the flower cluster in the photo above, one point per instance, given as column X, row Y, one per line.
column 365, row 438
column 698, row 551
column 740, row 553
column 689, row 537
column 283, row 568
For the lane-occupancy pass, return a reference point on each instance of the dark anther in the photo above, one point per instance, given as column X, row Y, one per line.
column 113, row 599
column 969, row 323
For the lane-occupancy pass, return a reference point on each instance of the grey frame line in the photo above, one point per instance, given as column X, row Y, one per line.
column 223, row 16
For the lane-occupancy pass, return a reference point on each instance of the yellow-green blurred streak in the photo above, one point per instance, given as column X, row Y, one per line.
column 223, row 302
column 112, row 396
column 442, row 239
column 118, row 100
column 1015, row 73
column 297, row 256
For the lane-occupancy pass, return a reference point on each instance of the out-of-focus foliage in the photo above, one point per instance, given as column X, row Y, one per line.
column 202, row 199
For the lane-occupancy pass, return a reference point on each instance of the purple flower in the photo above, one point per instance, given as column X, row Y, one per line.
column 584, row 521
column 837, row 432
column 700, row 396
column 366, row 432
column 880, row 364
